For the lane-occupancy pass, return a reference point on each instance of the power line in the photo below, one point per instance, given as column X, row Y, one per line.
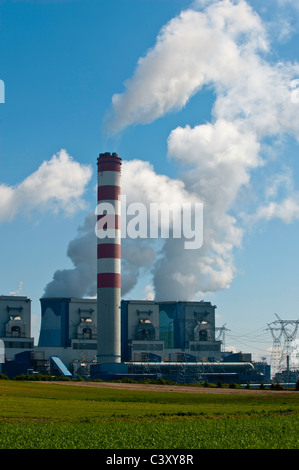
column 250, row 346
column 284, row 334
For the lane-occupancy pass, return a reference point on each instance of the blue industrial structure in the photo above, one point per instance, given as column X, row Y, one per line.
column 59, row 367
column 174, row 340
column 55, row 323
column 169, row 331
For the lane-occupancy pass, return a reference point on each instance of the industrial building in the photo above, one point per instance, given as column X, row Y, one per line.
column 108, row 337
column 173, row 340
column 169, row 331
column 15, row 325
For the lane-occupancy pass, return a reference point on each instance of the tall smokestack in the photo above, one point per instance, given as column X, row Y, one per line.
column 108, row 268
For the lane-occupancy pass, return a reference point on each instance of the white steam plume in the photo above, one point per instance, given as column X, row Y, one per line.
column 138, row 256
column 79, row 281
column 224, row 46
column 192, row 50
column 18, row 290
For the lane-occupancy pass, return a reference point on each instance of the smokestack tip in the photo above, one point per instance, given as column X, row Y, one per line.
column 108, row 154
column 109, row 161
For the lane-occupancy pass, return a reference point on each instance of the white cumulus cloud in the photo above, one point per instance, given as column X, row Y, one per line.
column 57, row 185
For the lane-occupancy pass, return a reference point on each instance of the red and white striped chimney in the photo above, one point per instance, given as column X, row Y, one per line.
column 109, row 261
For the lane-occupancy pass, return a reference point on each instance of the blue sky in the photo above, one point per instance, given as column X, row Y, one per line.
column 62, row 62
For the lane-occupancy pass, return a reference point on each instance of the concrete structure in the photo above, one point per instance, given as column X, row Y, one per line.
column 69, row 332
column 173, row 340
column 169, row 331
column 109, row 259
column 188, row 372
column 15, row 325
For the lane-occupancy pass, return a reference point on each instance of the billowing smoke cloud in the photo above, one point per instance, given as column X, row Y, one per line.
column 138, row 256
column 221, row 157
column 47, row 189
column 80, row 281
column 137, row 259
column 222, row 45
column 192, row 50
column 225, row 47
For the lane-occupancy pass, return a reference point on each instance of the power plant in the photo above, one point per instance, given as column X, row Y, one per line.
column 108, row 338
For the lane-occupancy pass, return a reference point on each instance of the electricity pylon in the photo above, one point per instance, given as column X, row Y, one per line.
column 281, row 350
column 221, row 334
column 276, row 353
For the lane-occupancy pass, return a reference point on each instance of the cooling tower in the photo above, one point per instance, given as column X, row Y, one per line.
column 109, row 261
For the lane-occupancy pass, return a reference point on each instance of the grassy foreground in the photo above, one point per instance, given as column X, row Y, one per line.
column 57, row 416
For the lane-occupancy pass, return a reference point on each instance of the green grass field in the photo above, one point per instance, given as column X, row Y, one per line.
column 58, row 416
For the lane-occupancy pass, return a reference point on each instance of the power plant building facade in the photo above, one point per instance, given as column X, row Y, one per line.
column 175, row 340
column 169, row 331
column 150, row 331
column 15, row 324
